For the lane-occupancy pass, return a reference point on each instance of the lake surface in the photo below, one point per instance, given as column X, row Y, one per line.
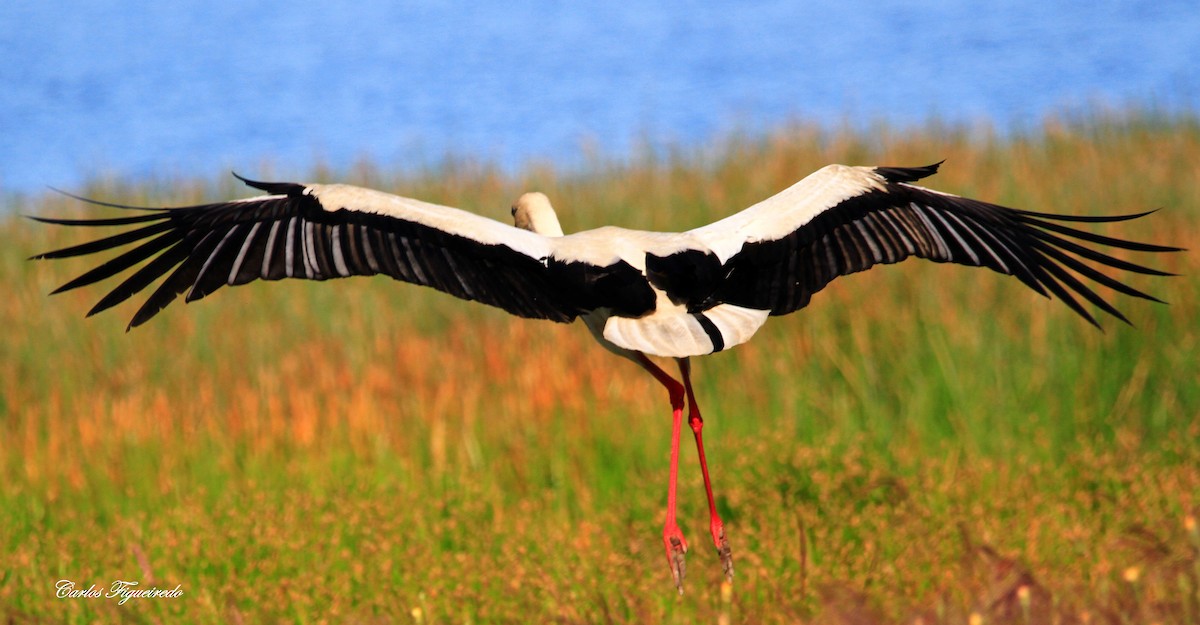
column 197, row 87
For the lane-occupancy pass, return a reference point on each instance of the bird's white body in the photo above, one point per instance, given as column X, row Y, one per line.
column 674, row 333
column 670, row 330
column 609, row 244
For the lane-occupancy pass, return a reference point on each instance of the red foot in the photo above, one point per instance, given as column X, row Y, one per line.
column 676, row 547
column 722, row 544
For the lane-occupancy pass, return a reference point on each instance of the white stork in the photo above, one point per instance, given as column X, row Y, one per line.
column 641, row 294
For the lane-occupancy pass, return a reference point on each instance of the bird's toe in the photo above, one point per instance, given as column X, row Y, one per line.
column 676, row 547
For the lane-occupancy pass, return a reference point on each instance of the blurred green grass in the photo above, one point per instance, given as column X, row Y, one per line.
column 923, row 441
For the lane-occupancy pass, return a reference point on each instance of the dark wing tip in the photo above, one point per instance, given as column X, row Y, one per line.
column 908, row 174
column 274, row 188
column 101, row 203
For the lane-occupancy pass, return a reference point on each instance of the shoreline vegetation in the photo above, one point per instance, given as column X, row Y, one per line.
column 924, row 443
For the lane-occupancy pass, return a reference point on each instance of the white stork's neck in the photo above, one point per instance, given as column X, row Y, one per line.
column 532, row 211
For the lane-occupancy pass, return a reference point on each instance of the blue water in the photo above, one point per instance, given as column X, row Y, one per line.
column 198, row 87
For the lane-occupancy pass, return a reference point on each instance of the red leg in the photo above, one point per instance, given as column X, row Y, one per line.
column 673, row 540
column 715, row 526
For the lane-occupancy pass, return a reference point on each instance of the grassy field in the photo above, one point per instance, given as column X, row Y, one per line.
column 924, row 444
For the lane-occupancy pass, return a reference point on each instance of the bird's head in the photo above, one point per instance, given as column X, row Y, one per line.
column 532, row 211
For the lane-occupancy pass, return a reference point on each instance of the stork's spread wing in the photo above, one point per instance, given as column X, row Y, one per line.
column 320, row 232
column 842, row 220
